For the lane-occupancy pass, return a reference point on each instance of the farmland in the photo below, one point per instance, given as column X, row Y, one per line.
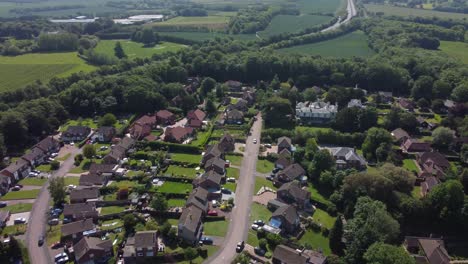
column 288, row 24
column 136, row 50
column 323, row 6
column 202, row 36
column 349, row 45
column 211, row 22
column 457, row 50
column 16, row 72
column 403, row 11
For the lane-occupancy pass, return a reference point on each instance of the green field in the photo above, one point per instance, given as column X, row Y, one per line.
column 180, row 171
column 410, row 165
column 202, row 36
column 136, row 50
column 33, row 181
column 211, row 22
column 317, row 241
column 29, row 194
column 347, row 46
column 324, row 218
column 457, row 50
column 18, row 208
column 403, row 11
column 322, row 6
column 265, row 166
column 175, row 187
column 260, row 182
column 215, row 228
column 18, row 71
column 112, row 210
column 185, row 157
column 290, row 24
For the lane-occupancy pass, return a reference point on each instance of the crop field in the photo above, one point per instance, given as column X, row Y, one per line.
column 235, row 3
column 322, row 6
column 211, row 22
column 350, row 45
column 290, row 24
column 136, row 50
column 16, row 72
column 457, row 50
column 202, row 36
column 403, row 11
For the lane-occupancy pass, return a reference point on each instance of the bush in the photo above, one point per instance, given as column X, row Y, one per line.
column 262, row 243
column 54, row 165
column 268, row 255
column 324, row 231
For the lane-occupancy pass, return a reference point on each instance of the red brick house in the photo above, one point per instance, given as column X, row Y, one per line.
column 414, row 145
column 90, row 250
column 165, row 117
column 178, row 134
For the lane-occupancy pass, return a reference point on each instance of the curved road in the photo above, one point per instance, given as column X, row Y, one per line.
column 38, row 218
column 240, row 216
column 351, row 9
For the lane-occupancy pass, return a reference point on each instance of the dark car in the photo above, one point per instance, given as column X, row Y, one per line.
column 206, row 240
column 275, row 170
column 240, row 246
column 3, row 204
column 259, row 251
column 40, row 241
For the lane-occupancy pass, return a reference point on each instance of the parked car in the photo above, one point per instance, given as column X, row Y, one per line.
column 255, row 141
column 53, row 155
column 231, row 179
column 213, row 213
column 16, row 188
column 259, row 251
column 3, row 204
column 259, row 222
column 240, row 246
column 54, row 221
column 62, row 260
column 40, row 241
column 214, row 203
column 19, row 220
column 270, row 178
column 66, row 220
column 226, row 191
column 255, row 227
column 268, row 145
column 58, row 210
column 206, row 240
column 56, row 245
column 60, row 256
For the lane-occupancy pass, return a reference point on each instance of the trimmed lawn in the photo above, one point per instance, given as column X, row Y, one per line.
column 84, row 166
column 111, row 224
column 316, row 195
column 124, row 184
column 14, row 230
column 89, row 122
column 132, row 173
column 183, row 157
column 29, row 194
column 416, row 192
column 176, row 202
column 180, row 171
column 259, row 212
column 231, row 186
column 265, row 166
column 175, row 187
column 173, row 222
column 232, row 172
column 234, row 159
column 410, row 165
column 324, row 218
column 112, row 210
column 110, row 197
column 33, row 181
column 202, row 137
column 260, row 182
column 44, row 168
column 317, row 241
column 53, row 234
column 215, row 228
column 252, row 238
column 18, row 208
column 136, row 50
column 72, row 180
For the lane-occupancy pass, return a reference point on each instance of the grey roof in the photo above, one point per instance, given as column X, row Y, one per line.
column 210, row 176
column 293, row 171
column 284, row 142
column 146, row 239
column 235, row 114
column 77, row 130
column 349, row 154
column 127, row 143
column 215, row 162
column 295, row 191
column 88, row 243
column 79, row 208
column 435, row 251
column 400, row 133
column 47, row 143
column 87, row 193
column 102, row 168
column 33, row 154
column 288, row 255
column 288, row 213
column 191, row 218
column 77, row 227
column 92, row 179
column 17, row 165
column 212, row 151
column 199, row 198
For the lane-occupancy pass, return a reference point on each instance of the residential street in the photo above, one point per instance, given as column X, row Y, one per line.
column 239, row 225
column 37, row 222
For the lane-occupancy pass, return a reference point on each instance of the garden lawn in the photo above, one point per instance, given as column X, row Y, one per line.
column 112, row 210
column 317, row 241
column 202, row 138
column 72, row 180
column 180, row 171
column 234, row 159
column 33, row 181
column 14, row 230
column 259, row 212
column 124, row 184
column 265, row 166
column 175, row 187
column 316, row 195
column 136, row 50
column 111, row 224
column 324, row 218
column 260, row 182
column 84, row 166
column 29, row 194
column 184, row 157
column 44, row 168
column 215, row 228
column 416, row 192
column 53, row 234
column 18, row 208
column 410, row 165
column 89, row 122
column 231, row 186
column 232, row 173
column 176, row 202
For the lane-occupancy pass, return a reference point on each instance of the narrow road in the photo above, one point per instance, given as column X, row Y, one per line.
column 38, row 219
column 351, row 9
column 240, row 217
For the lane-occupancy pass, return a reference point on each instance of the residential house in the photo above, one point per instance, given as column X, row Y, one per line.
column 75, row 133
column 164, row 117
column 194, row 123
column 198, row 198
column 284, row 143
column 290, row 173
column 432, row 164
column 49, row 145
column 143, row 126
column 178, row 134
column 92, row 250
column 106, row 169
column 190, row 226
column 282, row 162
column 286, row 218
column 119, row 151
column 427, row 185
column 346, row 158
column 427, row 250
column 424, row 124
column 233, row 86
column 385, row 97
column 212, row 151
column 146, row 243
column 104, row 134
column 274, row 204
column 400, row 135
column 356, row 103
column 406, row 104
column 35, row 157
column 196, row 114
column 83, row 195
column 234, row 117
column 4, row 217
column 76, row 230
column 287, row 255
column 17, row 170
column 216, row 164
column 80, row 211
column 99, row 174
column 414, row 145
column 227, row 143
column 210, row 181
column 292, row 193
column 316, row 112
column 242, row 105
column 249, row 97
column 285, row 153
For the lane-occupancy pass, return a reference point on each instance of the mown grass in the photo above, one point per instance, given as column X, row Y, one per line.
column 457, row 50
column 112, row 210
column 410, row 165
column 53, row 234
column 33, row 181
column 350, row 45
column 259, row 212
column 184, row 157
column 176, row 202
column 72, row 180
column 211, row 22
column 180, row 171
column 324, row 218
column 19, row 195
column 232, row 172
column 260, row 182
column 215, row 228
column 265, row 166
column 403, row 11
column 317, row 241
column 175, row 187
column 202, row 36
column 18, row 208
column 289, row 24
column 14, row 230
column 136, row 50
column 19, row 71
column 234, row 159
column 124, row 184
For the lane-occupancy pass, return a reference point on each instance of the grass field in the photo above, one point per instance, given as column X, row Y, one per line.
column 324, row 6
column 29, row 194
column 136, row 50
column 124, row 184
column 316, row 195
column 259, row 212
column 175, row 187
column 16, row 72
column 33, row 181
column 72, row 180
column 185, row 157
column 289, row 24
column 260, row 182
column 176, row 202
column 317, row 241
column 410, row 165
column 324, row 218
column 202, row 36
column 215, row 228
column 180, row 171
column 18, row 208
column 211, row 22
column 347, row 46
column 403, row 11
column 112, row 210
column 416, row 192
column 457, row 50
column 265, row 166
column 234, row 159
column 232, row 172
column 14, row 230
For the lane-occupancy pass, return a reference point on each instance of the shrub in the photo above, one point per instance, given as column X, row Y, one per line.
column 54, row 165
column 268, row 255
column 324, row 231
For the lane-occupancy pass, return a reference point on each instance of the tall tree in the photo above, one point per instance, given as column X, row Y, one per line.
column 376, row 137
column 381, row 253
column 159, row 203
column 442, row 137
column 108, row 119
column 57, row 189
column 335, row 236
column 89, row 151
column 119, row 51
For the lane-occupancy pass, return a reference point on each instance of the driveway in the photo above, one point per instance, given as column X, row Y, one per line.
column 240, row 215
column 37, row 219
column 11, row 221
